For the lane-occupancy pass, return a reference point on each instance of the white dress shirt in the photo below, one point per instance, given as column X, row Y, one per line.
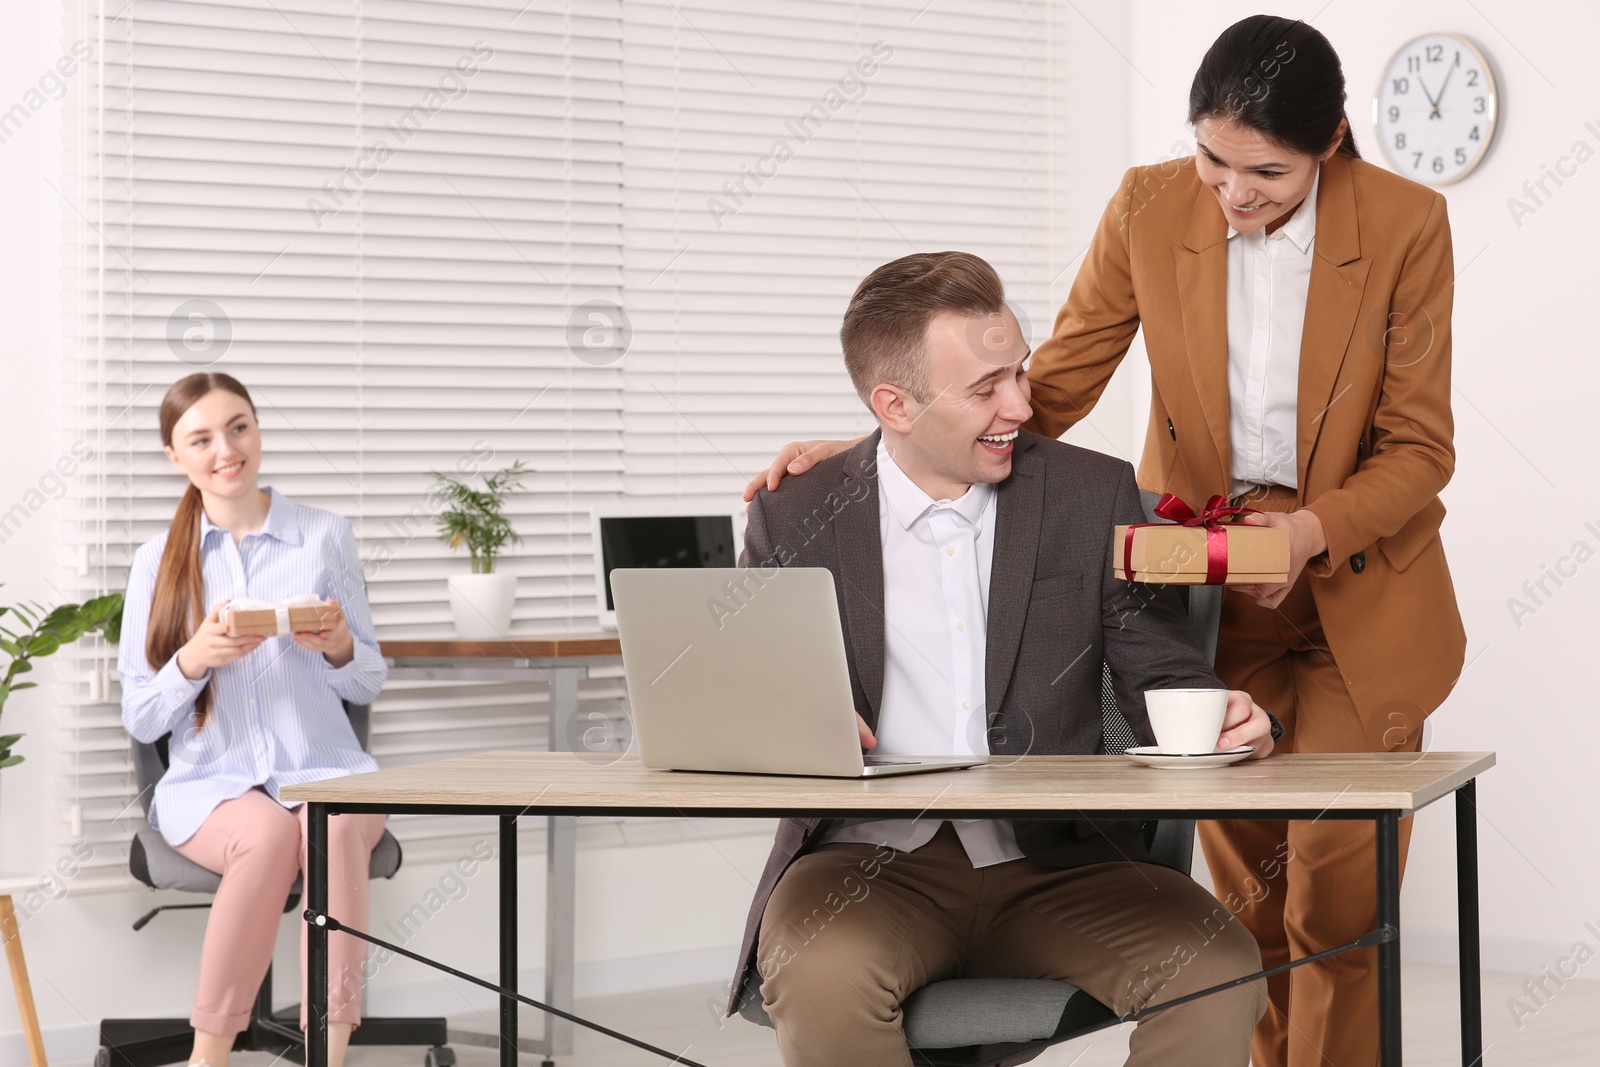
column 1269, row 275
column 276, row 717
column 936, row 560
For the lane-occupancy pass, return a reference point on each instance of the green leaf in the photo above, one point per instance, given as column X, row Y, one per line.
column 103, row 609
column 65, row 615
column 10, row 647
column 23, row 685
column 10, row 739
column 475, row 516
column 10, row 761
column 64, row 634
column 21, row 666
column 43, row 644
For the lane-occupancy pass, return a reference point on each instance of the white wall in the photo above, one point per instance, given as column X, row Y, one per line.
column 650, row 913
column 1522, row 498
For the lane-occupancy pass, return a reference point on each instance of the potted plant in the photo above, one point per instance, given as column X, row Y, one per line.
column 481, row 601
column 47, row 632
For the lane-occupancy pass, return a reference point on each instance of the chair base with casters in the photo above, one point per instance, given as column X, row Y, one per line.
column 155, row 1042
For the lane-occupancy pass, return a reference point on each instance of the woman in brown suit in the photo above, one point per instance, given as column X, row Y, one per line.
column 1295, row 302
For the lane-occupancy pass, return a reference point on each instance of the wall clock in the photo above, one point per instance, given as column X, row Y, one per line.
column 1435, row 108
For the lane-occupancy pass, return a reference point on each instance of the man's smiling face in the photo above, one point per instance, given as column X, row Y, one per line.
column 978, row 400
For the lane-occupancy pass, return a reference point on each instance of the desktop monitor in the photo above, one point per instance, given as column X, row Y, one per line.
column 660, row 536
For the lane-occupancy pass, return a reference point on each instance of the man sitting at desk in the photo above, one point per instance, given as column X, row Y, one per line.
column 973, row 564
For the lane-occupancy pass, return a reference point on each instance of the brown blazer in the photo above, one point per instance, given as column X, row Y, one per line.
column 1056, row 612
column 1375, row 428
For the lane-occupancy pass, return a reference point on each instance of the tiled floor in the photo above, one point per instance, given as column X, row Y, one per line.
column 1565, row 1032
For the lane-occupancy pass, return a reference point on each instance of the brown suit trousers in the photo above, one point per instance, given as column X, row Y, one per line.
column 1307, row 885
column 851, row 930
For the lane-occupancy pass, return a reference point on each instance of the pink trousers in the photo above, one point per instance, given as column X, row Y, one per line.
column 258, row 847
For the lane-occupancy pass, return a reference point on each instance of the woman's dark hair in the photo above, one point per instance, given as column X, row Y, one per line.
column 1279, row 77
column 176, row 609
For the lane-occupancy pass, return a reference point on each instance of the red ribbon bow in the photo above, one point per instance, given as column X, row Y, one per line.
column 1216, row 512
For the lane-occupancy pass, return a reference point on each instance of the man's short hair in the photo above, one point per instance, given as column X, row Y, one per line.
column 886, row 324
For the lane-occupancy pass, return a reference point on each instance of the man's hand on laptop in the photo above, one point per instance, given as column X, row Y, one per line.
column 1244, row 724
column 868, row 741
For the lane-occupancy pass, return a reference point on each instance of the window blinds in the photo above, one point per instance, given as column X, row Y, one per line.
column 775, row 156
column 374, row 213
column 613, row 240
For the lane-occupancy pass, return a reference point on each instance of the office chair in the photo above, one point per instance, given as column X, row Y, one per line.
column 963, row 1021
column 154, row 1042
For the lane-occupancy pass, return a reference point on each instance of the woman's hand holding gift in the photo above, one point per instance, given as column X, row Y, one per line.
column 338, row 644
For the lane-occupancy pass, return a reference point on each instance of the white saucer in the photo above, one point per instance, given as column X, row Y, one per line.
column 1152, row 756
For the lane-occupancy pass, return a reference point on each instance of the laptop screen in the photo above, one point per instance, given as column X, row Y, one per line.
column 664, row 541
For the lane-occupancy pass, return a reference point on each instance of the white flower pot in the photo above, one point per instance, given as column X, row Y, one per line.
column 481, row 605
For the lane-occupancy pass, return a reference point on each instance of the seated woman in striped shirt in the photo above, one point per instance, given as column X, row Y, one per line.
column 248, row 715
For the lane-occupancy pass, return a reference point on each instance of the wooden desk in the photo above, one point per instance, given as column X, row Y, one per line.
column 560, row 661
column 1381, row 787
column 555, row 648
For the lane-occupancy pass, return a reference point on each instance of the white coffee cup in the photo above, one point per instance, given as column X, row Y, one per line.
column 1186, row 721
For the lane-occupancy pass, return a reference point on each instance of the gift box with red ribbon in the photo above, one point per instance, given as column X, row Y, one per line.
column 1204, row 548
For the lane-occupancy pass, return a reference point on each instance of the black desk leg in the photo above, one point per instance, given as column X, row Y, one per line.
column 1467, row 917
column 1389, row 951
column 508, row 939
column 317, row 936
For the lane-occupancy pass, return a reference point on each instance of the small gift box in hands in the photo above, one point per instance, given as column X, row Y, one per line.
column 248, row 617
column 1201, row 549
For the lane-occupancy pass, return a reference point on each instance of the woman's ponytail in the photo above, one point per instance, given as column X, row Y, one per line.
column 177, row 605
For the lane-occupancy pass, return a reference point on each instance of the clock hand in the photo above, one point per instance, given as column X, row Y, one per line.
column 1431, row 100
column 1442, row 87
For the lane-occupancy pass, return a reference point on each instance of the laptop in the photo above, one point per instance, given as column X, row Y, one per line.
column 659, row 535
column 744, row 670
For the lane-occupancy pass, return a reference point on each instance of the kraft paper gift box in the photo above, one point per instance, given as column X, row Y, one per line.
column 247, row 617
column 1200, row 549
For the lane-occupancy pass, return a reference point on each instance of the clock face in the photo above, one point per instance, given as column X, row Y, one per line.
column 1435, row 108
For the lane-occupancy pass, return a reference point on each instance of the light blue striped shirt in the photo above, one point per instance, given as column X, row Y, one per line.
column 276, row 717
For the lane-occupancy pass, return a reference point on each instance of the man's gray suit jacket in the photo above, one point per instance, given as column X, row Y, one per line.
column 1056, row 610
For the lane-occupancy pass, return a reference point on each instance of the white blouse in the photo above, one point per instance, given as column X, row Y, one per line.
column 276, row 714
column 1269, row 276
